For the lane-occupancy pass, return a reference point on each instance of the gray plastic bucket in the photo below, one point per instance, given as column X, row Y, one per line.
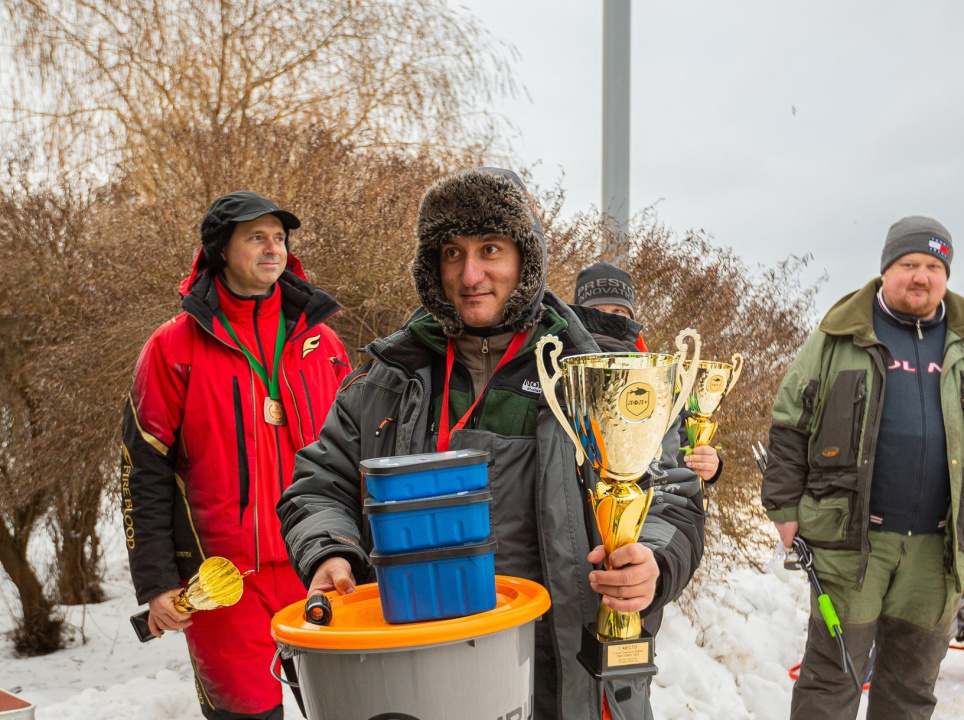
column 482, row 679
column 479, row 676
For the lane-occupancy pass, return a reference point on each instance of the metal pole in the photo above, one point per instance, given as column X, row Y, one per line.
column 616, row 96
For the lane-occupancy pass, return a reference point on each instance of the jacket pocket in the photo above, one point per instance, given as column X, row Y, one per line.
column 826, row 508
column 824, row 520
column 836, row 444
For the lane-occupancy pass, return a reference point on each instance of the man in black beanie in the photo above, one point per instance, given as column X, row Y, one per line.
column 223, row 396
column 865, row 458
column 607, row 288
column 462, row 374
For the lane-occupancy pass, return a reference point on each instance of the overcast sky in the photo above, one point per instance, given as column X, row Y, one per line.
column 775, row 126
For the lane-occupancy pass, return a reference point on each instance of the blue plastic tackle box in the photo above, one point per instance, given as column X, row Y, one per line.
column 400, row 526
column 436, row 584
column 407, row 477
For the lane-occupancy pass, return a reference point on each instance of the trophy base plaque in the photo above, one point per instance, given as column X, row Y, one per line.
column 606, row 660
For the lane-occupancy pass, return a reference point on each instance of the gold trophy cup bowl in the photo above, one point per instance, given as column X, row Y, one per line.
column 714, row 381
column 217, row 583
column 618, row 408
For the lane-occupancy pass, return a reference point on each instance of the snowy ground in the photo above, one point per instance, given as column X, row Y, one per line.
column 732, row 665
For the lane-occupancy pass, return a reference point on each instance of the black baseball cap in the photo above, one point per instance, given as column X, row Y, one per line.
column 244, row 205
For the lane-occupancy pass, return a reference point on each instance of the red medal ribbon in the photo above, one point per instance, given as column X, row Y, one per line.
column 444, row 434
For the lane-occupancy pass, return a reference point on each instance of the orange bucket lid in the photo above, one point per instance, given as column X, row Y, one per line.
column 357, row 622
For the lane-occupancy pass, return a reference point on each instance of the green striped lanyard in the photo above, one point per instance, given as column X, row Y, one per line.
column 273, row 384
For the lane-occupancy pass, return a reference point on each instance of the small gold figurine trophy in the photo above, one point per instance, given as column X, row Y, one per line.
column 618, row 408
column 217, row 583
column 714, row 381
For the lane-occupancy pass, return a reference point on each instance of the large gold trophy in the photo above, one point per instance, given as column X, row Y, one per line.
column 714, row 381
column 217, row 583
column 618, row 408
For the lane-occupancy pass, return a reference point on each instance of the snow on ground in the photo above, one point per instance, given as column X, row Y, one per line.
column 732, row 665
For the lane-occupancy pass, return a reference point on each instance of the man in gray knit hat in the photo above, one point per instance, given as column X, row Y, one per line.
column 866, row 451
column 462, row 374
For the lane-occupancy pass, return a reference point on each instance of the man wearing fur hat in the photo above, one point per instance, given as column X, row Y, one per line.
column 223, row 396
column 462, row 374
column 866, row 451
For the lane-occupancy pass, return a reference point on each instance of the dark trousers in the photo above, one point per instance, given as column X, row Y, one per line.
column 904, row 604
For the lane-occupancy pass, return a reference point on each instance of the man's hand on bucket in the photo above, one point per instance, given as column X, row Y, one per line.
column 333, row 574
column 164, row 616
column 631, row 583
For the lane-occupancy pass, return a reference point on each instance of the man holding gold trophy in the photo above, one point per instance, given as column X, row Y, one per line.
column 479, row 272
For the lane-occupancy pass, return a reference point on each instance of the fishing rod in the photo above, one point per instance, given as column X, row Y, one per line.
column 801, row 558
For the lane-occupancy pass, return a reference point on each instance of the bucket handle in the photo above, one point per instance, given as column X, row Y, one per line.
column 277, row 676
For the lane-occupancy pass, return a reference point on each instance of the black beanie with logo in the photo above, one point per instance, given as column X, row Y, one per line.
column 605, row 284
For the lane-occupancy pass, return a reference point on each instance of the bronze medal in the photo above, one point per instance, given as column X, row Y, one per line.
column 274, row 412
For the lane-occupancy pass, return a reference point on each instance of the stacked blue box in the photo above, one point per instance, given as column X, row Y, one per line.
column 436, row 584
column 406, row 477
column 429, row 516
column 400, row 526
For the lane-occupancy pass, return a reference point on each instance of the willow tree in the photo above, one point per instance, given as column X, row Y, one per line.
column 136, row 115
column 108, row 80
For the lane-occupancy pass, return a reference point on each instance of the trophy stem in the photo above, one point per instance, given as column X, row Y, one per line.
column 625, row 528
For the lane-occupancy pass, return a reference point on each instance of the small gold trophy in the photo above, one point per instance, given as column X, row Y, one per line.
column 217, row 583
column 714, row 381
column 619, row 406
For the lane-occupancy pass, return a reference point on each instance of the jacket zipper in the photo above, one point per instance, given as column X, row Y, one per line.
column 257, row 530
column 488, row 359
column 864, row 490
column 923, row 423
column 301, row 432
column 421, row 383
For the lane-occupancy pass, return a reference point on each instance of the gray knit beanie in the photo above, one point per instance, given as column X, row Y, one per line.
column 917, row 234
column 604, row 284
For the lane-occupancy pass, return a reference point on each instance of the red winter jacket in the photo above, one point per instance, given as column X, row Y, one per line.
column 201, row 470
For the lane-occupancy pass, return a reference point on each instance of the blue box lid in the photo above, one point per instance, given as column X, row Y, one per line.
column 446, row 553
column 402, row 464
column 373, row 507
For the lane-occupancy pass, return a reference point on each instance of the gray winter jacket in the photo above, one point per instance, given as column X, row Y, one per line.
column 321, row 512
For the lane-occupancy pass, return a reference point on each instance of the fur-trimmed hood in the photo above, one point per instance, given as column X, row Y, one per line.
column 473, row 203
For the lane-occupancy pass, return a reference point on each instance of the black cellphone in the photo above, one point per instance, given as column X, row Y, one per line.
column 141, row 626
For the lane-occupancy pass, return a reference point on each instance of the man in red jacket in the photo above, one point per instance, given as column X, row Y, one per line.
column 224, row 395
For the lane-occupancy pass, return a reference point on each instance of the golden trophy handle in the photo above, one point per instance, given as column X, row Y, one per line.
column 737, row 361
column 549, row 388
column 685, row 377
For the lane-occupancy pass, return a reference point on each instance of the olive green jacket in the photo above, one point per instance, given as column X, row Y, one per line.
column 825, row 420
